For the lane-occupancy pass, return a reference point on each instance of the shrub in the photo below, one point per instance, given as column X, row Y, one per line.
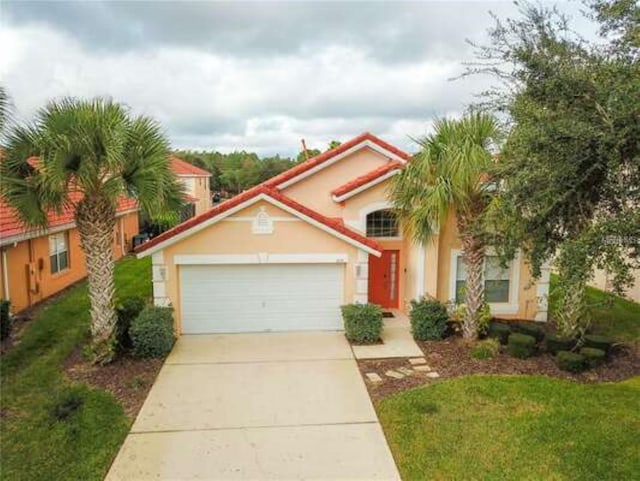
column 362, row 323
column 5, row 320
column 530, row 329
column 486, row 349
column 521, row 345
column 593, row 357
column 499, row 331
column 554, row 343
column 126, row 310
column 428, row 319
column 571, row 361
column 598, row 342
column 152, row 332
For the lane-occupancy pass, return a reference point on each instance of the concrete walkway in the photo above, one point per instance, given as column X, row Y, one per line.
column 397, row 341
column 257, row 406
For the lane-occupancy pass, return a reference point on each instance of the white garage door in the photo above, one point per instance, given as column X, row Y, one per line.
column 261, row 297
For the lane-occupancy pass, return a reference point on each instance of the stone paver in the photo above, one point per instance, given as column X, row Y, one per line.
column 406, row 371
column 394, row 374
column 373, row 377
column 433, row 375
column 423, row 368
column 416, row 361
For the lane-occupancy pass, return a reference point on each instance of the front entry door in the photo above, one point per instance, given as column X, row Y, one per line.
column 383, row 278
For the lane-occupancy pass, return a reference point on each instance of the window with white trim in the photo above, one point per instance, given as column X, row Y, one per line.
column 58, row 252
column 497, row 281
column 382, row 223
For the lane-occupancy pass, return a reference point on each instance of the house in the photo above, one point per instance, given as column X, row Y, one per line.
column 288, row 253
column 37, row 263
column 602, row 280
column 196, row 184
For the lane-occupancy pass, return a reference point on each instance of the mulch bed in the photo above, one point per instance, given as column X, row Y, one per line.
column 128, row 379
column 452, row 358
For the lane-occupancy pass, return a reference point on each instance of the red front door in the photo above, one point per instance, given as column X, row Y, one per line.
column 383, row 278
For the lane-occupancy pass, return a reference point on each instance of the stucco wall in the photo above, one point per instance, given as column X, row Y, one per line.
column 315, row 191
column 602, row 280
column 203, row 195
column 233, row 235
column 23, row 294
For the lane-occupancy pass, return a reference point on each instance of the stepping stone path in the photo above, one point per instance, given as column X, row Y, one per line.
column 394, row 374
column 416, row 361
column 433, row 375
column 373, row 377
column 423, row 368
column 406, row 371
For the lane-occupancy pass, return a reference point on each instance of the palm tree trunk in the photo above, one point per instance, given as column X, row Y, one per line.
column 473, row 254
column 95, row 218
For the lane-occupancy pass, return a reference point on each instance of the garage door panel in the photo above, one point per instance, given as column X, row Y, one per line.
column 264, row 297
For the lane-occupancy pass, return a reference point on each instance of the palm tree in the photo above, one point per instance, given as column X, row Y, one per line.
column 448, row 177
column 90, row 153
column 5, row 108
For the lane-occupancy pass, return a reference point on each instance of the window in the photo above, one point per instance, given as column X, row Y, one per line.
column 496, row 280
column 382, row 223
column 58, row 252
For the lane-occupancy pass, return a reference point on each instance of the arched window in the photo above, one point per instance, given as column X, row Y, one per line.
column 382, row 223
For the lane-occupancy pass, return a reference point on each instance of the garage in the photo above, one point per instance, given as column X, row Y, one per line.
column 261, row 297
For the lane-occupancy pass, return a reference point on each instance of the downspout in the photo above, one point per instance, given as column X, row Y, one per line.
column 5, row 274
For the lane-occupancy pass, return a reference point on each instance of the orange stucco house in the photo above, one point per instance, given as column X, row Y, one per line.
column 286, row 254
column 196, row 184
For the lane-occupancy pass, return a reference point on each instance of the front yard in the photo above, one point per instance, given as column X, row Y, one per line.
column 53, row 427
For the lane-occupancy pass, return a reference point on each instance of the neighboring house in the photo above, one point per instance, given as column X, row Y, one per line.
column 37, row 263
column 196, row 183
column 288, row 253
column 602, row 280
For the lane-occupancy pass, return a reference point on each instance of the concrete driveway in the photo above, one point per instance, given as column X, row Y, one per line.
column 257, row 406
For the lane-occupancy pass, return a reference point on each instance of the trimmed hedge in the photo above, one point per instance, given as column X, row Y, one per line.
column 428, row 319
column 362, row 323
column 554, row 343
column 593, row 357
column 530, row 328
column 5, row 320
column 486, row 349
column 126, row 311
column 152, row 332
column 521, row 345
column 571, row 361
column 499, row 331
column 599, row 342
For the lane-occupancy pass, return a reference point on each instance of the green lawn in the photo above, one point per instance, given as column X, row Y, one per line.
column 519, row 427
column 34, row 446
column 612, row 315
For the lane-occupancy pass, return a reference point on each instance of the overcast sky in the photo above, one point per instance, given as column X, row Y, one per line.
column 255, row 76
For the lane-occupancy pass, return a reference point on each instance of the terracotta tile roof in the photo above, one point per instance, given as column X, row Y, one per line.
column 366, row 178
column 335, row 224
column 325, row 156
column 11, row 226
column 182, row 168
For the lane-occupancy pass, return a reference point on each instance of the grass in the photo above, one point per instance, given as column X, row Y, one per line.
column 611, row 315
column 36, row 444
column 518, row 427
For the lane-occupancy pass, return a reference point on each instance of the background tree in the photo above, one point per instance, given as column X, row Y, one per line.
column 571, row 163
column 90, row 153
column 449, row 177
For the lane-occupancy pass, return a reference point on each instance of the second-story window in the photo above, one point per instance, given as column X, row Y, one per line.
column 382, row 223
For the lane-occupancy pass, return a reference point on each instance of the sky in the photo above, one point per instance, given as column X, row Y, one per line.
column 254, row 76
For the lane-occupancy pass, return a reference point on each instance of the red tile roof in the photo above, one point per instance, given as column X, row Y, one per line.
column 325, row 156
column 366, row 178
column 334, row 224
column 11, row 226
column 182, row 168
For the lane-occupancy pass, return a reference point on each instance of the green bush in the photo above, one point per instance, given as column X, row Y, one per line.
column 499, row 331
column 598, row 342
column 571, row 361
column 593, row 357
column 362, row 323
column 428, row 319
column 126, row 311
column 152, row 332
column 521, row 345
column 5, row 320
column 486, row 349
column 529, row 328
column 554, row 343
